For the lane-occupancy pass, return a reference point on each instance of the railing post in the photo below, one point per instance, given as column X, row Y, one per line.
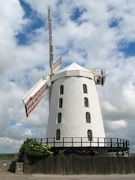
column 47, row 141
column 126, row 144
column 81, row 141
column 117, row 142
column 72, row 142
column 123, row 143
column 111, row 142
column 54, row 142
column 63, row 142
column 104, row 143
column 98, row 141
column 41, row 140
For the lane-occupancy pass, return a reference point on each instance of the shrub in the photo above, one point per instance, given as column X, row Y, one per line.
column 33, row 150
column 60, row 153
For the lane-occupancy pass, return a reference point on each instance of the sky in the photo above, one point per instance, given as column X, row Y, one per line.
column 93, row 33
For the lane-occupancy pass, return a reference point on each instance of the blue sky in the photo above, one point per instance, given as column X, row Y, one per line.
column 36, row 22
column 93, row 33
column 128, row 49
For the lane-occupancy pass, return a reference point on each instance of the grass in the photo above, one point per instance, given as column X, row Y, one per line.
column 7, row 156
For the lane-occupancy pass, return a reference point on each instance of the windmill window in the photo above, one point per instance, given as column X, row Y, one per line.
column 59, row 117
column 88, row 118
column 84, row 88
column 58, row 134
column 61, row 89
column 89, row 134
column 60, row 102
column 86, row 102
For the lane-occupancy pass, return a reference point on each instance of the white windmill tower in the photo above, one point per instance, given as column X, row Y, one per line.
column 74, row 109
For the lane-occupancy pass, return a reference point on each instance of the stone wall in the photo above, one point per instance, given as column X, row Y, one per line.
column 7, row 165
column 19, row 167
column 82, row 165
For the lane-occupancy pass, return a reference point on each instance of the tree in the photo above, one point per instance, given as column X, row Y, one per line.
column 32, row 150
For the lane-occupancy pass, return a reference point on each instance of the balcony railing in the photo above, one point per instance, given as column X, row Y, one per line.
column 86, row 142
column 98, row 71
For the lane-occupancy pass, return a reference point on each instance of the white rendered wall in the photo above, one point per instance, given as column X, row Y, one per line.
column 73, row 111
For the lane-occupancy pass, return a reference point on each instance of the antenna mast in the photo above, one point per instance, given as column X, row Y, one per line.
column 50, row 40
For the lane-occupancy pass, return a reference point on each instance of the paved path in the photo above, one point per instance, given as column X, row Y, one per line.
column 12, row 176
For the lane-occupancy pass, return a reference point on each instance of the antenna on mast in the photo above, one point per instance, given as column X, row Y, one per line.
column 50, row 40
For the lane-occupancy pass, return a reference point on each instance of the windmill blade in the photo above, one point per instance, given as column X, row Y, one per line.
column 35, row 95
column 56, row 65
column 50, row 39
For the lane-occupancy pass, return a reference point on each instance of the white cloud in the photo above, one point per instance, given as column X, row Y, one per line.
column 109, row 107
column 28, row 132
column 9, row 145
column 116, row 125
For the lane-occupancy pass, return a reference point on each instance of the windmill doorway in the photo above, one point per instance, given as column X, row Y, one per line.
column 89, row 135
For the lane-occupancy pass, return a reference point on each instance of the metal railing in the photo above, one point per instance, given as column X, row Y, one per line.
column 86, row 142
column 98, row 71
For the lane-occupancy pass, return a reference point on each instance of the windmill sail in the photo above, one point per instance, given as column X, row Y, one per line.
column 56, row 65
column 35, row 95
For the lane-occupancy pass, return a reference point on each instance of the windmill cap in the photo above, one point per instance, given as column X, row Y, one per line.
column 73, row 70
column 73, row 66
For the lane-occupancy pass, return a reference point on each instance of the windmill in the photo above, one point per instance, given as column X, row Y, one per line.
column 75, row 118
column 74, row 105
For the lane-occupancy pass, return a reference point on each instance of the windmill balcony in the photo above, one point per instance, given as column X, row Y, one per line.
column 98, row 71
column 111, row 144
column 99, row 75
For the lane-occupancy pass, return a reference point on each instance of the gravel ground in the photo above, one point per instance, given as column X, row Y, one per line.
column 13, row 176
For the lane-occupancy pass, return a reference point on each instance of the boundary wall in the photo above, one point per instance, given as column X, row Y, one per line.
column 70, row 165
column 82, row 165
column 7, row 165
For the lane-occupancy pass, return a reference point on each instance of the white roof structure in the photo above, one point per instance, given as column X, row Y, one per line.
column 72, row 70
column 73, row 66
